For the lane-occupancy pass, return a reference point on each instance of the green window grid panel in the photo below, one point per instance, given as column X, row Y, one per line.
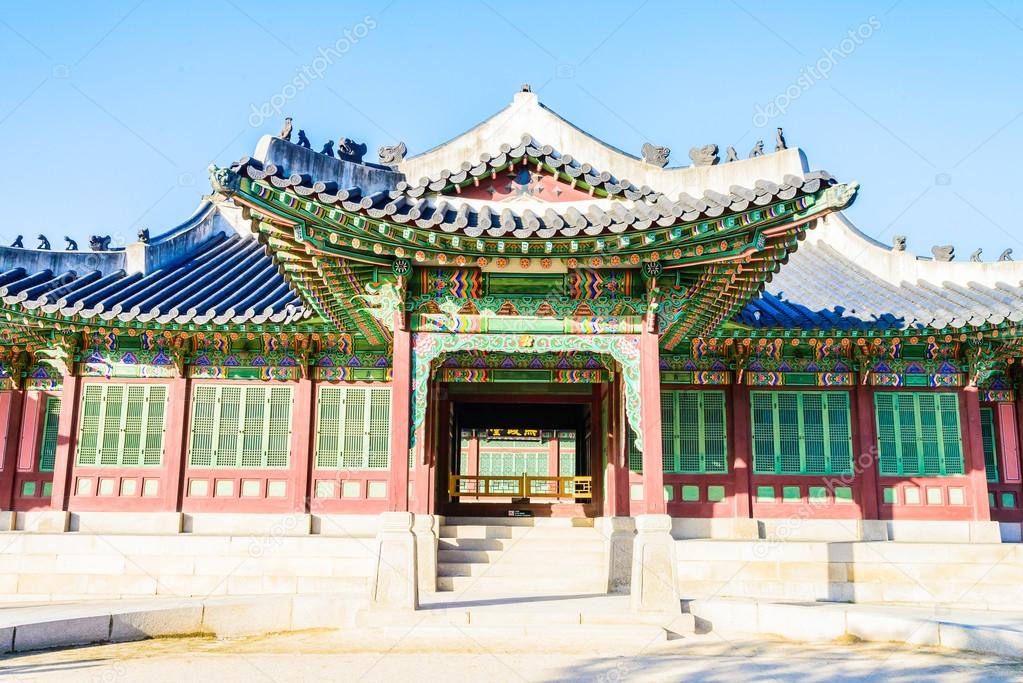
column 353, row 428
column 48, row 437
column 694, row 437
column 237, row 427
column 918, row 433
column 693, row 431
column 987, row 430
column 122, row 425
column 801, row 432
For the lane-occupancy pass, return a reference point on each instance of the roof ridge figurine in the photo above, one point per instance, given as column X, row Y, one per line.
column 44, row 243
column 779, row 141
column 704, row 156
column 143, row 235
column 303, row 141
column 18, row 242
column 975, row 256
column 99, row 242
column 392, row 155
column 731, row 154
column 758, row 150
column 943, row 252
column 1006, row 255
column 285, row 133
column 70, row 244
column 350, row 150
column 899, row 243
column 655, row 155
column 328, row 148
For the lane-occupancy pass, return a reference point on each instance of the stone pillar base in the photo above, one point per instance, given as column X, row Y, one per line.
column 394, row 585
column 424, row 529
column 620, row 533
column 654, row 572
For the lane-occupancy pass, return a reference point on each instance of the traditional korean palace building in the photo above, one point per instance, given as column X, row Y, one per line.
column 523, row 319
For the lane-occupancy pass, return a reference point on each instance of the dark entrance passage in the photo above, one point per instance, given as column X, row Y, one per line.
column 528, row 453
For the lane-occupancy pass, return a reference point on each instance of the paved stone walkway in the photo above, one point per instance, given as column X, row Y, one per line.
column 318, row 656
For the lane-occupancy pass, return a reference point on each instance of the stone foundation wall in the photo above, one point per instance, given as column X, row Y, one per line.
column 964, row 575
column 63, row 566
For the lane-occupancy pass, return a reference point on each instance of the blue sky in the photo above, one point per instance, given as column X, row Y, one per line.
column 110, row 114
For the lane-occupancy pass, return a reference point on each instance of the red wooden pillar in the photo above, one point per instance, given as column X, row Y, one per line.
column 618, row 467
column 742, row 445
column 973, row 456
column 650, row 410
column 1008, row 439
column 63, row 461
column 865, row 443
column 10, row 433
column 595, row 442
column 301, row 444
column 175, row 443
column 425, row 456
column 553, row 455
column 401, row 393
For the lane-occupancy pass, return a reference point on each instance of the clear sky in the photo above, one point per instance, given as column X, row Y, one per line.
column 111, row 112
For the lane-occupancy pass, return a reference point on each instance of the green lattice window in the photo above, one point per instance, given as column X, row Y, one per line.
column 48, row 436
column 918, row 433
column 240, row 426
column 801, row 432
column 693, row 434
column 353, row 428
column 122, row 424
column 987, row 430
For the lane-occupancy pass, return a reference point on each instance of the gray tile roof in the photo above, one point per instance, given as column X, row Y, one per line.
column 225, row 278
column 823, row 288
column 421, row 203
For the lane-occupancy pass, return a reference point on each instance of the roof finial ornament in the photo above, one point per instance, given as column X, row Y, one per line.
column 43, row 242
column 899, row 243
column 392, row 155
column 731, row 154
column 654, row 155
column 525, row 87
column 285, row 133
column 18, row 242
column 303, row 141
column 99, row 242
column 70, row 244
column 758, row 150
column 943, row 252
column 975, row 256
column 1006, row 255
column 704, row 156
column 350, row 150
column 779, row 141
column 143, row 235
column 328, row 148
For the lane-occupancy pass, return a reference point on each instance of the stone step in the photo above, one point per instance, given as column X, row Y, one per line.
column 514, row 569
column 508, row 532
column 473, row 543
column 617, row 638
column 535, row 522
column 524, row 585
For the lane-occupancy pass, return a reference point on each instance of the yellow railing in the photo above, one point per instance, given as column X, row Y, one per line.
column 524, row 486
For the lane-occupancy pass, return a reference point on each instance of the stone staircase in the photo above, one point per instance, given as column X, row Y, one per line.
column 521, row 556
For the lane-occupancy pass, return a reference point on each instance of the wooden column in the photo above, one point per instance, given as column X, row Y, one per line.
column 1008, row 440
column 553, row 455
column 865, row 444
column 175, row 443
column 650, row 408
column 618, row 477
column 401, row 395
column 64, row 460
column 742, row 445
column 301, row 444
column 10, row 433
column 425, row 457
column 973, row 453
